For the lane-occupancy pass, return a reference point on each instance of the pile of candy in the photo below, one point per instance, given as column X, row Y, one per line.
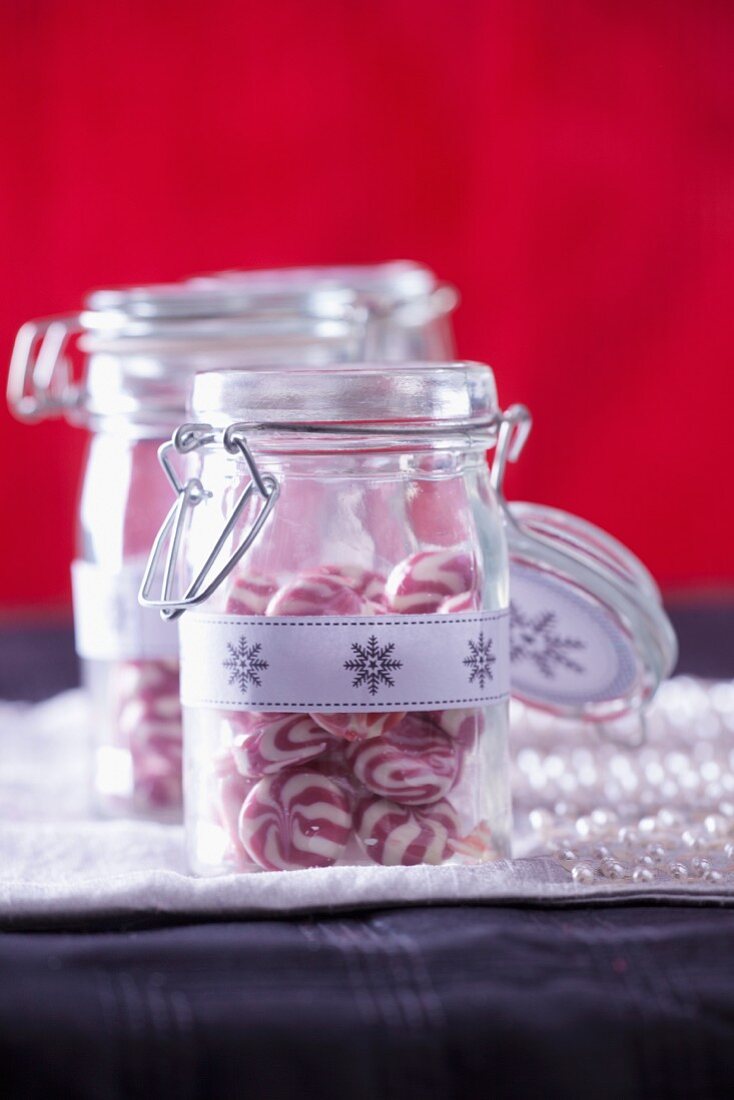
column 147, row 716
column 310, row 790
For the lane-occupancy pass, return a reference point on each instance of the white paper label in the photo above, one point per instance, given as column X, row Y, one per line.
column 109, row 623
column 371, row 663
column 564, row 649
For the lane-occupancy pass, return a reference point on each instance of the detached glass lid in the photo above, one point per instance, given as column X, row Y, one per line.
column 588, row 634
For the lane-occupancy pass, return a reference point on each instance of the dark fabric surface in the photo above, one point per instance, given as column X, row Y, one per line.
column 444, row 1002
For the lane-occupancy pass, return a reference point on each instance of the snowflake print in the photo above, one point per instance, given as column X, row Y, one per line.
column 536, row 638
column 373, row 665
column 245, row 664
column 480, row 660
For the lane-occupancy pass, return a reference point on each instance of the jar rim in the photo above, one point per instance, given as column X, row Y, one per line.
column 457, row 393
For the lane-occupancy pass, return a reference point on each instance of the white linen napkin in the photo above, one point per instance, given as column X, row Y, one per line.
column 58, row 862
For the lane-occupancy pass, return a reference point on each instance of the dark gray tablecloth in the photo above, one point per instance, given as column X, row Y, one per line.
column 445, row 1002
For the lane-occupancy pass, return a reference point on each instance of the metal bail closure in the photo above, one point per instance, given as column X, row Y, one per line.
column 188, row 438
column 588, row 634
column 40, row 379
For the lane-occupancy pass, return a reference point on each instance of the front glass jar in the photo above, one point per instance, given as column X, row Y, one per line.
column 345, row 683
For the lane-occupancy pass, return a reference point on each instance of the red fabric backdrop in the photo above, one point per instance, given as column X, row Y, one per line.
column 570, row 166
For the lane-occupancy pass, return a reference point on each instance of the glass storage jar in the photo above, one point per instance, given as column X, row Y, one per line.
column 140, row 348
column 409, row 308
column 344, row 672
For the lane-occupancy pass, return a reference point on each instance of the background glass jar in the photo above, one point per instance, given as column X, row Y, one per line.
column 409, row 309
column 138, row 351
column 345, row 685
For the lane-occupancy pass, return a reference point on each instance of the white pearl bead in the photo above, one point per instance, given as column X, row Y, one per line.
column 541, row 820
column 678, row 870
column 583, row 874
column 713, row 876
column 642, row 874
column 716, row 825
column 610, row 868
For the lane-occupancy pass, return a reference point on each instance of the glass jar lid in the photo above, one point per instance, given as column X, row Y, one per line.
column 589, row 637
column 383, row 286
column 144, row 345
column 407, row 308
column 397, row 397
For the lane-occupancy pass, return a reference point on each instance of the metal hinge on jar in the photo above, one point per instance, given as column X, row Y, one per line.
column 185, row 440
column 40, row 380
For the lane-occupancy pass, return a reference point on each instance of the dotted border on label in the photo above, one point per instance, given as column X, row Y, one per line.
column 366, row 622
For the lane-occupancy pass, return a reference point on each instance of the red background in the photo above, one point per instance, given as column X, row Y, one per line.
column 570, row 166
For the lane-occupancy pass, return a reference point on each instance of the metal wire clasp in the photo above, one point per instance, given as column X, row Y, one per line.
column 40, row 381
column 514, row 428
column 188, row 438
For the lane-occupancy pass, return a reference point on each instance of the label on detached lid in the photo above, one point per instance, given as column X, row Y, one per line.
column 109, row 623
column 565, row 649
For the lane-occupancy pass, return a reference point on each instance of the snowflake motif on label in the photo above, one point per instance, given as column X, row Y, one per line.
column 536, row 638
column 373, row 665
column 245, row 664
column 480, row 660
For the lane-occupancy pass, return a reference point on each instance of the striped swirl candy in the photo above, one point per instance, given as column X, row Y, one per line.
column 366, row 582
column 149, row 727
column 396, row 835
column 250, row 593
column 476, row 846
column 420, row 583
column 414, row 764
column 464, row 726
column 296, row 818
column 270, row 742
column 359, row 726
column 315, row 593
column 454, row 605
column 230, row 791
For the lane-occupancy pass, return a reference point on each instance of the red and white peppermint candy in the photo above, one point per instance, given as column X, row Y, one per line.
column 148, row 678
column 315, row 593
column 297, row 818
column 396, row 835
column 465, row 601
column 414, row 764
column 149, row 707
column 277, row 741
column 366, row 582
column 359, row 727
column 161, row 737
column 464, row 726
column 249, row 593
column 157, row 783
column 231, row 790
column 148, row 726
column 439, row 511
column 476, row 846
column 420, row 583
